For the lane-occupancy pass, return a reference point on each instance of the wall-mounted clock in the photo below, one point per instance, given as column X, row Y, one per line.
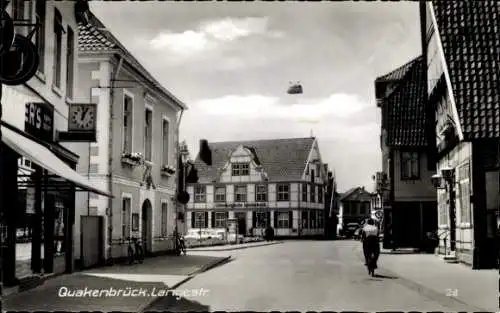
column 82, row 117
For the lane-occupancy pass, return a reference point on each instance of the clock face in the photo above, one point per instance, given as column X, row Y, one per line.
column 83, row 117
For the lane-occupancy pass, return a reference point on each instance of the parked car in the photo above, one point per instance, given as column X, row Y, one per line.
column 350, row 229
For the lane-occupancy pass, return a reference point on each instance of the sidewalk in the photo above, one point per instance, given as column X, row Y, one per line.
column 478, row 288
column 155, row 274
column 230, row 247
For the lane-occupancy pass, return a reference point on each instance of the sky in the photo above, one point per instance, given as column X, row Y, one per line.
column 232, row 62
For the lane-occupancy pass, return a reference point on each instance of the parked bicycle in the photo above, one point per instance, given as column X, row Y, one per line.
column 180, row 246
column 135, row 251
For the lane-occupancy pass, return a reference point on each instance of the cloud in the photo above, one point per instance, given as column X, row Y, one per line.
column 212, row 34
column 307, row 110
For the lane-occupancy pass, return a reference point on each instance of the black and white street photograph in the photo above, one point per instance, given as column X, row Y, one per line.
column 182, row 156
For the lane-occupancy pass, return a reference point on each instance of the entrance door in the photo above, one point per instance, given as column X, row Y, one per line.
column 242, row 222
column 147, row 210
column 492, row 207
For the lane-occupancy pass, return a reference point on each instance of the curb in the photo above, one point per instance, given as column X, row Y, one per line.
column 190, row 276
column 237, row 248
column 423, row 289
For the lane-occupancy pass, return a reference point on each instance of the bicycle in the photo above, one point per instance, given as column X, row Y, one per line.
column 180, row 246
column 371, row 264
column 135, row 251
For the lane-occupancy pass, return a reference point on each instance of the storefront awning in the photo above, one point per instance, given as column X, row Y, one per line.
column 42, row 156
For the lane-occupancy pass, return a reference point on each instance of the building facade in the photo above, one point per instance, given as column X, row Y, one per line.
column 355, row 206
column 407, row 194
column 278, row 183
column 462, row 87
column 135, row 155
column 44, row 168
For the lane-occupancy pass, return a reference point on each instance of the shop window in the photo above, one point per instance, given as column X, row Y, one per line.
column 59, row 239
column 261, row 219
column 200, row 220
column 283, row 220
column 321, row 219
column 312, row 219
column 305, row 219
column 220, row 220
column 283, row 192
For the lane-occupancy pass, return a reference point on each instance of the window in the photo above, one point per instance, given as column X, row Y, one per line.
column 220, row 194
column 165, row 127
column 199, row 220
column 126, row 217
column 148, row 134
column 464, row 190
column 260, row 219
column 261, row 193
column 164, row 219
column 318, row 169
column 128, row 104
column 283, row 192
column 220, row 220
column 40, row 34
column 304, row 192
column 320, row 219
column 240, row 169
column 312, row 219
column 58, row 31
column 240, row 194
column 283, row 220
column 200, row 194
column 70, row 66
column 320, row 194
column 313, row 193
column 410, row 165
column 305, row 219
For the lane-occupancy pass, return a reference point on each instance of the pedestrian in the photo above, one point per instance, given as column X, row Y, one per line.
column 370, row 238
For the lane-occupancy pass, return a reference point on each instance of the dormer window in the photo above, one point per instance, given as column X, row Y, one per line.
column 240, row 169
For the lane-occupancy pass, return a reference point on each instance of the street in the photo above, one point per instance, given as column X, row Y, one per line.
column 305, row 276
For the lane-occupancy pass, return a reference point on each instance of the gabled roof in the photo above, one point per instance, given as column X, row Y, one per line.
column 470, row 38
column 95, row 38
column 356, row 194
column 281, row 159
column 396, row 74
column 405, row 108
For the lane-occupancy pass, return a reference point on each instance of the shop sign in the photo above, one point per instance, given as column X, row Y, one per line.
column 39, row 120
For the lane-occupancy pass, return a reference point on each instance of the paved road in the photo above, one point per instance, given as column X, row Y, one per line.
column 303, row 276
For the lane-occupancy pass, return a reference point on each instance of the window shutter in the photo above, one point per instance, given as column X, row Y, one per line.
column 213, row 219
column 193, row 217
column 254, row 217
column 268, row 218
column 206, row 219
column 275, row 219
column 290, row 219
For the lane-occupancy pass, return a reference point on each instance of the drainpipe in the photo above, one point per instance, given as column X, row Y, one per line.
column 110, row 151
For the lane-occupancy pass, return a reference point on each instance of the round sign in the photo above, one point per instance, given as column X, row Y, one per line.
column 20, row 63
column 379, row 214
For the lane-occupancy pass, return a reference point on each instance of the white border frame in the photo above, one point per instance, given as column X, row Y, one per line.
column 164, row 118
column 126, row 195
column 130, row 94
